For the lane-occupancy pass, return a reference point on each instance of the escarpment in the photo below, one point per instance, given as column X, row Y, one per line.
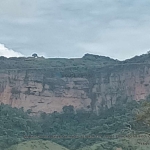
column 84, row 87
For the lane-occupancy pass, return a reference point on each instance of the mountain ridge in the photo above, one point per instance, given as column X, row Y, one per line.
column 90, row 82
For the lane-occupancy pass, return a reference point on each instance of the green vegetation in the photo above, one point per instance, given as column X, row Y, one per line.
column 121, row 119
column 40, row 62
column 14, row 124
column 116, row 120
column 144, row 58
column 87, row 61
column 121, row 144
column 37, row 145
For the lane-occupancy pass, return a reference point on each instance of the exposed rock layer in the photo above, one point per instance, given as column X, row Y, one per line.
column 50, row 90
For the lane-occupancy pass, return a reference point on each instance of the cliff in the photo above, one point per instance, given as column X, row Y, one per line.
column 31, row 84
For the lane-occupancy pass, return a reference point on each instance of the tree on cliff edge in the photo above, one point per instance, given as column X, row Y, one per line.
column 34, row 55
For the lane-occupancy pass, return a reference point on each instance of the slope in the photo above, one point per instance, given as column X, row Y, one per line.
column 37, row 145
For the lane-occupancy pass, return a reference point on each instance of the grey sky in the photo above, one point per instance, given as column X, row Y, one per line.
column 71, row 28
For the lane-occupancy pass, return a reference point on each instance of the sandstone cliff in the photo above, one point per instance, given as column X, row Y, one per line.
column 83, row 87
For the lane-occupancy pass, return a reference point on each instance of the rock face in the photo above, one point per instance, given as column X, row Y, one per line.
column 50, row 90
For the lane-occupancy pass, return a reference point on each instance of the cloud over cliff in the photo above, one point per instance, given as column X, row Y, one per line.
column 60, row 28
column 8, row 52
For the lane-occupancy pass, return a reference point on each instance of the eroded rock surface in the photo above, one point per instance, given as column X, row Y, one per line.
column 41, row 90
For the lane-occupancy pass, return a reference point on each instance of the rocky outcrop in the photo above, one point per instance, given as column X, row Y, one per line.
column 50, row 90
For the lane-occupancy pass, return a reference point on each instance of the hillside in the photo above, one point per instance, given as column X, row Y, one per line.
column 37, row 145
column 144, row 58
column 77, row 129
column 121, row 144
column 90, row 82
column 41, row 62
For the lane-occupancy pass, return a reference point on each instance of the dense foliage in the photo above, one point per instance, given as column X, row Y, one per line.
column 88, row 60
column 115, row 120
column 120, row 119
column 14, row 124
column 41, row 62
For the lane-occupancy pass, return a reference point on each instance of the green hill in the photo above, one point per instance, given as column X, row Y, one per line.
column 112, row 145
column 141, row 142
column 41, row 62
column 37, row 145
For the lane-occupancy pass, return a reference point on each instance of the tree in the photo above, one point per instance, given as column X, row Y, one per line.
column 29, row 111
column 34, row 55
column 43, row 115
column 68, row 109
column 148, row 52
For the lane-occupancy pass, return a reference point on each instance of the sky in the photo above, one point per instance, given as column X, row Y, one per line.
column 119, row 29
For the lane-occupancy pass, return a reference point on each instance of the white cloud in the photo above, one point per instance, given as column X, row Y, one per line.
column 17, row 8
column 8, row 52
column 62, row 28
